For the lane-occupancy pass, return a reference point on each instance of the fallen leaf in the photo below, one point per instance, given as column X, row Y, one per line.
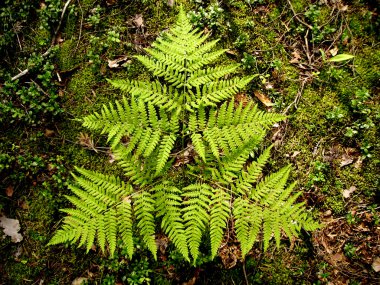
column 343, row 8
column 295, row 154
column 24, row 205
column 79, row 281
column 232, row 52
column 112, row 157
column 117, row 62
column 111, row 2
column 49, row 133
column 347, row 192
column 358, row 163
column 334, row 51
column 346, row 160
column 11, row 228
column 263, row 98
column 138, row 21
column 171, row 3
column 327, row 213
column 242, row 98
column 9, row 191
column 296, row 57
column 376, row 264
column 337, row 258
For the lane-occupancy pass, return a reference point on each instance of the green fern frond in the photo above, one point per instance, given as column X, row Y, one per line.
column 165, row 148
column 97, row 202
column 199, row 145
column 219, row 215
column 168, row 205
column 144, row 212
column 196, row 214
column 124, row 209
column 248, row 220
column 159, row 118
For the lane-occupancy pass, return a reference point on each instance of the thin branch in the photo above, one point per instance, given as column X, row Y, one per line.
column 46, row 53
column 297, row 99
column 81, row 25
column 298, row 19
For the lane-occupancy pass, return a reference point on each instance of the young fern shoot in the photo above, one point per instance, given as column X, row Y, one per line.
column 189, row 105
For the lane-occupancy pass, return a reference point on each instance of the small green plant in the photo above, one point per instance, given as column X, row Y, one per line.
column 94, row 18
column 352, row 219
column 350, row 250
column 210, row 17
column 248, row 61
column 318, row 175
column 337, row 114
column 185, row 148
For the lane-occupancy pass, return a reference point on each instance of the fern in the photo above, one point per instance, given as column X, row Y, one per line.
column 185, row 114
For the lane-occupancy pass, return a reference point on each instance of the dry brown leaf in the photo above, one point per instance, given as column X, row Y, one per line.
column 358, row 163
column 296, row 57
column 295, row 154
column 117, row 62
column 9, row 191
column 11, row 228
column 376, row 264
column 232, row 52
column 347, row 192
column 337, row 258
column 229, row 255
column 138, row 21
column 343, row 8
column 241, row 98
column 334, row 51
column 79, row 281
column 263, row 98
column 49, row 133
column 346, row 160
column 24, row 205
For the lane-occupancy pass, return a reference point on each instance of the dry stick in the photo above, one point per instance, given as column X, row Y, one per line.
column 46, row 53
column 81, row 24
column 298, row 96
column 298, row 19
column 307, row 47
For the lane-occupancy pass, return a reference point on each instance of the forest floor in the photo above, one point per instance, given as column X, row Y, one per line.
column 330, row 136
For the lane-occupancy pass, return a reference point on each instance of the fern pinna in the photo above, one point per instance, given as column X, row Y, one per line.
column 189, row 106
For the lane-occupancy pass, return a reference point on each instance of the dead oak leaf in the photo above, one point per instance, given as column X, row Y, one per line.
column 334, row 51
column 296, row 57
column 376, row 264
column 9, row 191
column 138, row 21
column 263, row 98
column 347, row 192
column 346, row 160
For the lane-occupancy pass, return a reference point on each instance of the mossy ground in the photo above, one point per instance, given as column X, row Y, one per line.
column 314, row 139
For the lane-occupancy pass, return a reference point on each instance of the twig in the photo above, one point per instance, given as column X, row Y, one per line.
column 81, row 25
column 307, row 47
column 40, row 88
column 296, row 100
column 298, row 19
column 46, row 53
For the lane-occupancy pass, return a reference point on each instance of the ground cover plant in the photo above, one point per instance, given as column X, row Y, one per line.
column 330, row 134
